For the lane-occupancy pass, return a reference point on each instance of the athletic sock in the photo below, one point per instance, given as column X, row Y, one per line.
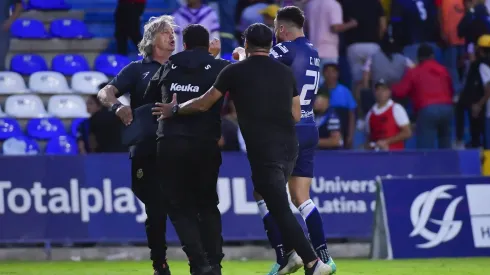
column 314, row 222
column 273, row 233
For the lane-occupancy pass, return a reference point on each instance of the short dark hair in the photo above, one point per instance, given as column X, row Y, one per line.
column 96, row 100
column 195, row 36
column 425, row 52
column 291, row 14
column 258, row 35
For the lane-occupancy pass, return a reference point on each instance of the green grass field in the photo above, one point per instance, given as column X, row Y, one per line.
column 473, row 266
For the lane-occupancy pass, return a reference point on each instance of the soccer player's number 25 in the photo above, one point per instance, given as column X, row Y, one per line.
column 309, row 87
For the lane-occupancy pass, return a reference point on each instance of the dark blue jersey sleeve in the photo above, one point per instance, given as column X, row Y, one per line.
column 284, row 52
column 125, row 80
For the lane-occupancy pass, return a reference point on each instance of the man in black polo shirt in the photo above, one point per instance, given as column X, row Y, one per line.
column 156, row 47
column 188, row 153
column 268, row 105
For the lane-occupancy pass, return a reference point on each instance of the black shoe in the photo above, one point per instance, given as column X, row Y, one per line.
column 163, row 269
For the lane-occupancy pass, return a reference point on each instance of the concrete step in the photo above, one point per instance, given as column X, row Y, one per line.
column 58, row 45
column 47, row 16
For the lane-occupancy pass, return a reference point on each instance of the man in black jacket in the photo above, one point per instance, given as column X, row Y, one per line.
column 188, row 155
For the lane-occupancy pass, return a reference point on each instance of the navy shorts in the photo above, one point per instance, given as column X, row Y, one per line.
column 308, row 142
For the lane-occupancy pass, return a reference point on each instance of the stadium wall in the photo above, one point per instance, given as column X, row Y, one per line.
column 70, row 200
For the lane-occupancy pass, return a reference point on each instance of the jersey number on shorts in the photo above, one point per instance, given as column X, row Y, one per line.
column 422, row 10
column 309, row 87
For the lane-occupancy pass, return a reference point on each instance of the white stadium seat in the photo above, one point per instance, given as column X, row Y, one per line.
column 25, row 106
column 12, row 83
column 47, row 82
column 67, row 106
column 87, row 82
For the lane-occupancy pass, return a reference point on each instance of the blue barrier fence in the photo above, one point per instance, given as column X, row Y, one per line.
column 70, row 199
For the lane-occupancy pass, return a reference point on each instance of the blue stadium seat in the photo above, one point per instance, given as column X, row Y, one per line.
column 69, row 64
column 28, row 29
column 69, row 29
column 48, row 5
column 110, row 64
column 62, row 145
column 28, row 64
column 75, row 124
column 9, row 127
column 45, row 128
column 19, row 146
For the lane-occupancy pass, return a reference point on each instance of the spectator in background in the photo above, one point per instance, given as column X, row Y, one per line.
column 128, row 23
column 269, row 14
column 6, row 20
column 387, row 64
column 362, row 41
column 387, row 122
column 252, row 14
column 450, row 14
column 229, row 129
column 324, row 22
column 473, row 97
column 414, row 22
column 329, row 130
column 430, row 89
column 195, row 13
column 337, row 97
column 101, row 133
column 475, row 23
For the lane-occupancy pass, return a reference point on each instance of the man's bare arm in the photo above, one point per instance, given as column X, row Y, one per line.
column 107, row 96
column 200, row 104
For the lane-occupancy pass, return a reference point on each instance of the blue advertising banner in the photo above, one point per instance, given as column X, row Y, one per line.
column 437, row 217
column 88, row 198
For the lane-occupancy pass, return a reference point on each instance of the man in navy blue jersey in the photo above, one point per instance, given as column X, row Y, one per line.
column 299, row 54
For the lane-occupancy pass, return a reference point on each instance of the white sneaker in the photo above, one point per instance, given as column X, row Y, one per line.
column 294, row 263
column 320, row 269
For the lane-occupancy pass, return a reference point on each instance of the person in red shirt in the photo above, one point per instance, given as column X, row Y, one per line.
column 127, row 23
column 387, row 122
column 429, row 87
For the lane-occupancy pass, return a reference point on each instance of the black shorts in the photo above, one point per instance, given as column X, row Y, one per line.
column 189, row 170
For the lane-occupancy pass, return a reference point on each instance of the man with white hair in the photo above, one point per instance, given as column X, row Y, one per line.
column 157, row 45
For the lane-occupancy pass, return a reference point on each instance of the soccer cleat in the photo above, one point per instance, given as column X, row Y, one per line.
column 294, row 263
column 161, row 270
column 275, row 268
column 332, row 265
column 319, row 268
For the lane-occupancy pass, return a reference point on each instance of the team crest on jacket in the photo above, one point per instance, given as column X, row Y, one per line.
column 139, row 173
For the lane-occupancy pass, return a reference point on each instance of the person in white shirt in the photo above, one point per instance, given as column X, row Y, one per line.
column 195, row 12
column 387, row 123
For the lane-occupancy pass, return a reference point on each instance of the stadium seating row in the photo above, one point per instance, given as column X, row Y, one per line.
column 22, row 145
column 51, row 83
column 31, row 106
column 38, row 128
column 59, row 28
column 68, row 64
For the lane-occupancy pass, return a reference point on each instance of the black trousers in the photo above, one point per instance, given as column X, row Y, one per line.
column 270, row 176
column 477, row 127
column 189, row 171
column 127, row 25
column 146, row 187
